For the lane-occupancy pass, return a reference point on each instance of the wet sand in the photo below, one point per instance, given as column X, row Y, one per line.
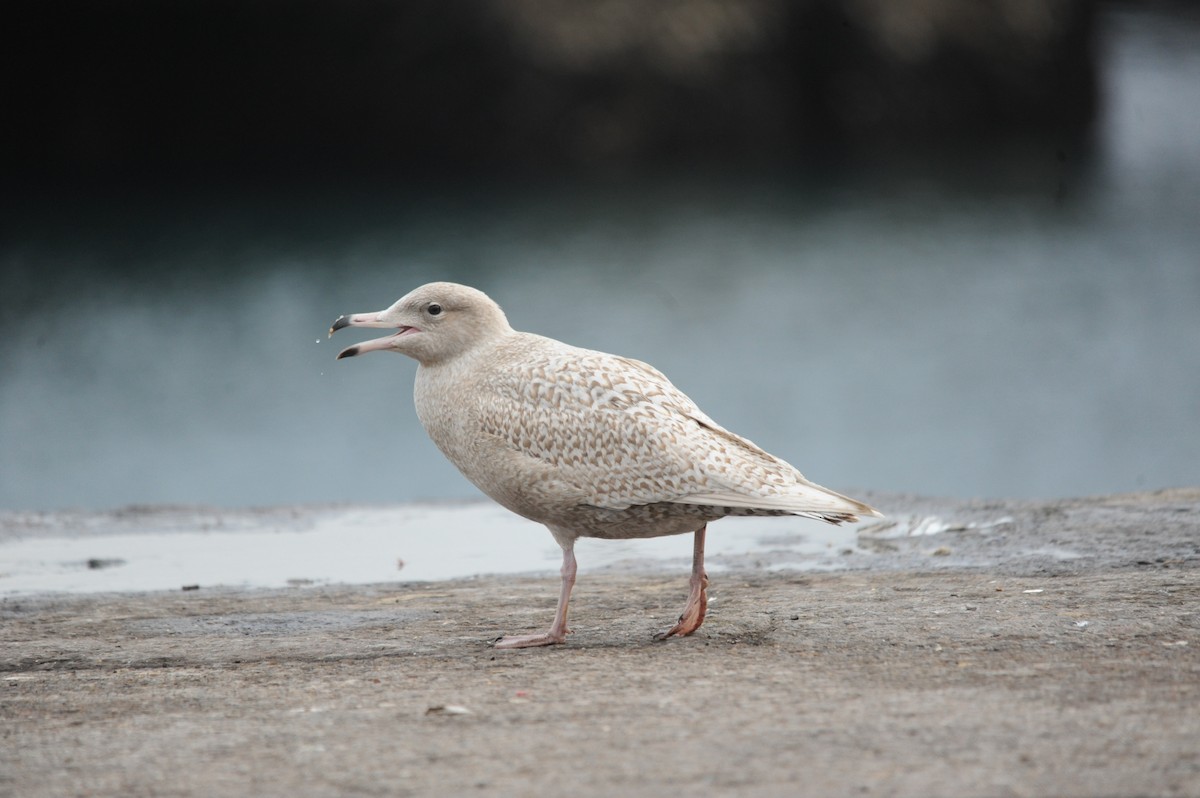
column 1056, row 653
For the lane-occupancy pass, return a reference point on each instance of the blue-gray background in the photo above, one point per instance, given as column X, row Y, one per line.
column 899, row 329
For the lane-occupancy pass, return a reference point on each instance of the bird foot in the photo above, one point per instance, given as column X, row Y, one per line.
column 530, row 641
column 691, row 618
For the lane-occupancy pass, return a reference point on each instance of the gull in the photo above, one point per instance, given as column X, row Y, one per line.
column 587, row 443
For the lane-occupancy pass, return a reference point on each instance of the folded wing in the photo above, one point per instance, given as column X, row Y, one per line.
column 624, row 435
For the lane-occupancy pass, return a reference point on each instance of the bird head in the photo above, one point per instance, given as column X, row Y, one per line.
column 434, row 323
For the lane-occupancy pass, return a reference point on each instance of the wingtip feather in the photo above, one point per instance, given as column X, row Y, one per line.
column 811, row 501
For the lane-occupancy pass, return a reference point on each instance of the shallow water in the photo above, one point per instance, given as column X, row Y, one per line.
column 895, row 335
column 168, row 550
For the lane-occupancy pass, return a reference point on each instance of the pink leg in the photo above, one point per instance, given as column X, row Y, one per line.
column 558, row 630
column 697, row 604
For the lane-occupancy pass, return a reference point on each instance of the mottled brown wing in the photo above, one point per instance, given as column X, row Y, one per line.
column 611, row 429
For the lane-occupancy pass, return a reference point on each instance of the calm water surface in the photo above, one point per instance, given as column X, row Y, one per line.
column 893, row 336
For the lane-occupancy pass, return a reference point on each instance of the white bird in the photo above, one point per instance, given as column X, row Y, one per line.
column 587, row 443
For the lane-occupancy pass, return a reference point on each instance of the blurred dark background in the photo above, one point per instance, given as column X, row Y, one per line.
column 933, row 246
column 136, row 93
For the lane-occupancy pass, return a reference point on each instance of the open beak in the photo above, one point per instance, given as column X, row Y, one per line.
column 370, row 320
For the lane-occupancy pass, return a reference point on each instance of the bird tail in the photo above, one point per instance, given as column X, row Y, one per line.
column 805, row 499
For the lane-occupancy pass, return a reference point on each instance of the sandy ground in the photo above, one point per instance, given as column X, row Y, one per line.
column 1056, row 654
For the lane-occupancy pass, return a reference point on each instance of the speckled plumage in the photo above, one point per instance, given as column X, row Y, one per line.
column 587, row 443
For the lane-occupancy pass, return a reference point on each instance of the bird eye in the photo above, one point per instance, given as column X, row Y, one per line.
column 434, row 310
